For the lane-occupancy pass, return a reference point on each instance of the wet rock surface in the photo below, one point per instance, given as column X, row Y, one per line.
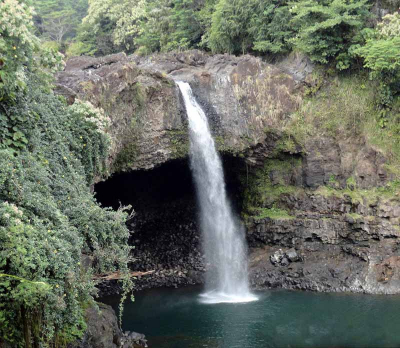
column 334, row 249
column 165, row 228
column 103, row 331
column 174, row 254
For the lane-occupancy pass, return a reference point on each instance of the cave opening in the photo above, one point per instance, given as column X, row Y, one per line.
column 164, row 230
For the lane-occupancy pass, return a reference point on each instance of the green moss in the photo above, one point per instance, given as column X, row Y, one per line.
column 314, row 82
column 371, row 196
column 286, row 144
column 346, row 107
column 179, row 142
column 220, row 144
column 333, row 182
column 383, row 131
column 354, row 216
column 125, row 158
column 351, row 183
column 340, row 108
column 223, row 147
column 260, row 191
column 272, row 213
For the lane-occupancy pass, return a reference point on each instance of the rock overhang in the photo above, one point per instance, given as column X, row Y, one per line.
column 242, row 96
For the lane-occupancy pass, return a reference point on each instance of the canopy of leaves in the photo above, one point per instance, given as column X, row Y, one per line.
column 325, row 30
column 240, row 26
column 328, row 30
column 58, row 20
column 150, row 25
column 17, row 46
column 20, row 55
column 48, row 217
column 50, row 154
column 119, row 18
column 381, row 52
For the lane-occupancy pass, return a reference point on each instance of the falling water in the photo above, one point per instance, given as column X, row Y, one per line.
column 223, row 236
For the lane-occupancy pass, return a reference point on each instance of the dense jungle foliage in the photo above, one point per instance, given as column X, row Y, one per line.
column 50, row 153
column 50, row 223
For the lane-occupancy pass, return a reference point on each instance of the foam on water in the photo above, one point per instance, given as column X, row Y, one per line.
column 213, row 297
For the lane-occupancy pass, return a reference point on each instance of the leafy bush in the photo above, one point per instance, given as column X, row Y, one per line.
column 20, row 55
column 49, row 218
column 228, row 32
column 270, row 27
column 329, row 30
column 79, row 48
column 239, row 26
column 17, row 46
column 58, row 20
column 114, row 22
column 381, row 54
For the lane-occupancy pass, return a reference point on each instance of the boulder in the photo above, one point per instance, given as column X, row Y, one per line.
column 292, row 256
column 103, row 331
column 277, row 257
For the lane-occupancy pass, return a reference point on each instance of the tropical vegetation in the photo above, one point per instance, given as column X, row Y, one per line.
column 51, row 152
column 50, row 223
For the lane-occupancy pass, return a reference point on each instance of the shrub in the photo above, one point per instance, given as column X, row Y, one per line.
column 19, row 49
column 381, row 55
column 78, row 49
column 49, row 218
column 240, row 26
column 228, row 31
column 329, row 30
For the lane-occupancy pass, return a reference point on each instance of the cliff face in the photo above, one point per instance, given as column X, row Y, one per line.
column 322, row 237
column 144, row 107
column 242, row 96
column 322, row 210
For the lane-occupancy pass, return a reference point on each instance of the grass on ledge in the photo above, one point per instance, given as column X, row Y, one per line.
column 370, row 196
column 272, row 213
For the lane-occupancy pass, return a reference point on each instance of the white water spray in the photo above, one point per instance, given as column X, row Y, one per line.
column 223, row 236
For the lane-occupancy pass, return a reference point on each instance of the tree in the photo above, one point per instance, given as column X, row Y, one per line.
column 111, row 23
column 241, row 26
column 58, row 24
column 270, row 27
column 329, row 29
column 58, row 20
column 205, row 20
column 229, row 27
column 381, row 54
column 20, row 49
column 49, row 155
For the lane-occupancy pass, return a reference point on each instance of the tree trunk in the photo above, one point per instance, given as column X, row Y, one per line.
column 25, row 322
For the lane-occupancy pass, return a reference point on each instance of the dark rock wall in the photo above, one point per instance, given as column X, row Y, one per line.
column 345, row 232
column 165, row 229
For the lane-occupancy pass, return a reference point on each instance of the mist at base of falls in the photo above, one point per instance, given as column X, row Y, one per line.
column 222, row 233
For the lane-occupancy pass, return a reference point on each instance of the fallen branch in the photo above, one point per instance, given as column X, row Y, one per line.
column 118, row 275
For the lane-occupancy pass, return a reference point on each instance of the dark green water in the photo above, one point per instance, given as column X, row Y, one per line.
column 174, row 318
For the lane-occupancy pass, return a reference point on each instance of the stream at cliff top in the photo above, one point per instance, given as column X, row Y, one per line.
column 174, row 318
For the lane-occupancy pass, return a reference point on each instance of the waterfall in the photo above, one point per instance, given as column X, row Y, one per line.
column 222, row 234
